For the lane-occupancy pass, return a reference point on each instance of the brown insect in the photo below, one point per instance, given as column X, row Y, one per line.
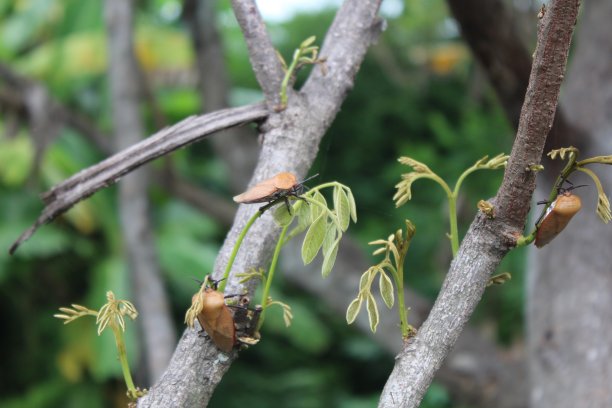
column 226, row 325
column 557, row 216
column 273, row 190
column 215, row 317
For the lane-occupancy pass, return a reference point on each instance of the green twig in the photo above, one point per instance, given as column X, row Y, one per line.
column 232, row 257
column 270, row 276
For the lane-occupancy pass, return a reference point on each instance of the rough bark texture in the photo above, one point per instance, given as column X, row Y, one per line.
column 291, row 140
column 264, row 61
column 487, row 241
column 570, row 280
column 150, row 297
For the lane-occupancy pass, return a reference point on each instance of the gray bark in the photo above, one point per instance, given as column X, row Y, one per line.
column 487, row 241
column 156, row 329
column 570, row 280
column 290, row 143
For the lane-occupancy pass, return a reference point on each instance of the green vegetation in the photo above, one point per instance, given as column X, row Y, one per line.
column 418, row 94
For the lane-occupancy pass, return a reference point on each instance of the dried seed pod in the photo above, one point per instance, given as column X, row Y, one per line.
column 558, row 215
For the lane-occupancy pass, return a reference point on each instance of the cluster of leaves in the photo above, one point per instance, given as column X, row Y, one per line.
column 111, row 314
column 324, row 226
column 395, row 248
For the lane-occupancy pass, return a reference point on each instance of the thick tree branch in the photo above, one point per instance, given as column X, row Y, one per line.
column 85, row 183
column 265, row 62
column 291, row 140
column 487, row 241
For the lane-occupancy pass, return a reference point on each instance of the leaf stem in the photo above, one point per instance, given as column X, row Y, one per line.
column 125, row 367
column 270, row 276
column 232, row 257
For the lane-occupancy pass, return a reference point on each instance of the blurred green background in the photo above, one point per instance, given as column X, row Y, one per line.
column 418, row 93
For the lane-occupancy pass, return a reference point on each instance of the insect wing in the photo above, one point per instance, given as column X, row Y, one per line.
column 259, row 193
column 216, row 319
column 557, row 217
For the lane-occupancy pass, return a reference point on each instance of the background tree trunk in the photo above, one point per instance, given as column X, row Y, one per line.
column 570, row 280
column 157, row 331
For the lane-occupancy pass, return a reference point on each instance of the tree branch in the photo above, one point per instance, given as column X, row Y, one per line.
column 291, row 140
column 476, row 363
column 262, row 54
column 238, row 148
column 85, row 183
column 487, row 241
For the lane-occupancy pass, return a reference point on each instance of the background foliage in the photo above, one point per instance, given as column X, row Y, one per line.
column 418, row 93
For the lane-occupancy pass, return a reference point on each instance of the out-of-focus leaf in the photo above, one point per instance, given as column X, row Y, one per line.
column 16, row 156
column 306, row 331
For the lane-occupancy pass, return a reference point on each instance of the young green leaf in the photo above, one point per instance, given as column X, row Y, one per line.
column 353, row 309
column 366, row 280
column 341, row 205
column 329, row 257
column 302, row 213
column 372, row 312
column 314, row 239
column 282, row 216
column 386, row 290
column 330, row 237
column 352, row 205
column 316, row 210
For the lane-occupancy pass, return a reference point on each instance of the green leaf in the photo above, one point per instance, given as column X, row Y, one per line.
column 353, row 309
column 282, row 216
column 316, row 210
column 308, row 42
column 302, row 213
column 330, row 237
column 341, row 205
column 386, row 289
column 372, row 312
column 365, row 281
column 314, row 239
column 329, row 257
column 352, row 205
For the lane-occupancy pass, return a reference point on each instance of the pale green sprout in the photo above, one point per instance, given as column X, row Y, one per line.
column 389, row 270
column 111, row 314
column 306, row 54
column 420, row 171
